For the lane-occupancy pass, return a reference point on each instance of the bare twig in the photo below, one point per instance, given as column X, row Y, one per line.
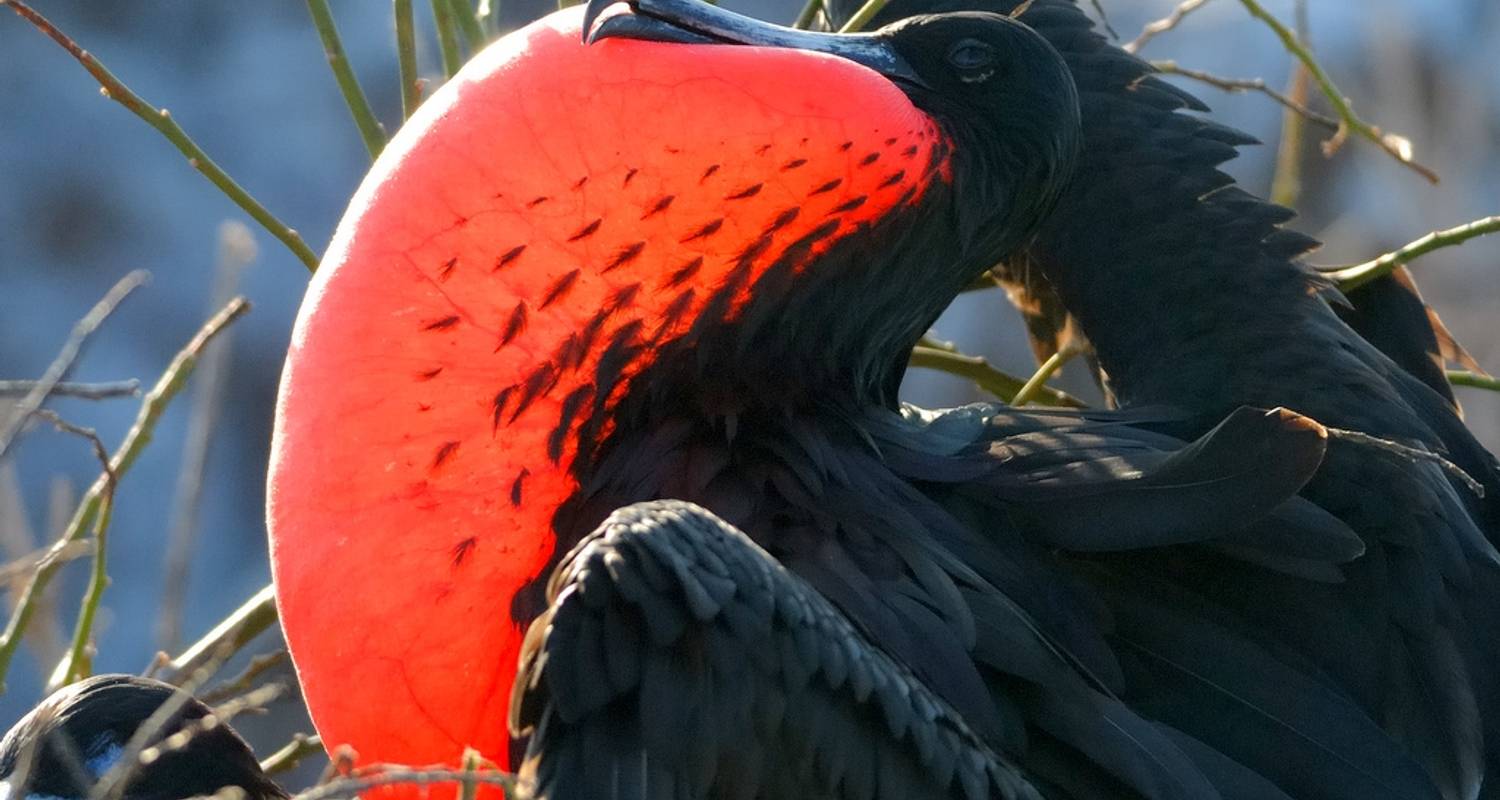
column 78, row 662
column 343, row 74
column 442, row 18
column 1167, row 23
column 155, row 402
column 939, row 356
column 63, row 363
column 22, row 567
column 1412, row 454
column 236, row 251
column 258, row 666
column 1044, row 373
column 231, row 634
column 1399, row 147
column 406, row 58
column 1473, row 380
column 158, row 118
column 84, row 391
column 1352, row 277
column 223, row 713
column 863, row 16
column 405, row 776
column 1246, row 85
column 292, row 753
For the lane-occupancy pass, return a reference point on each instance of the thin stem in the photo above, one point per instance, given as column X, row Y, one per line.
column 1397, row 146
column 442, row 18
column 155, row 402
column 1103, row 19
column 162, row 121
column 863, row 16
column 1247, row 85
column 84, row 391
column 1352, row 277
column 468, row 24
column 1044, row 373
column 236, row 252
column 252, row 618
column 406, row 57
column 1473, row 380
column 354, row 96
column 292, row 753
column 1167, row 23
column 258, row 666
column 63, row 363
column 488, row 12
column 986, row 377
column 404, row 776
column 1286, row 181
column 808, row 13
column 77, row 663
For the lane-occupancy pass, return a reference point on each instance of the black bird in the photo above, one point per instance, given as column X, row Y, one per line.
column 595, row 277
column 1191, row 293
column 62, row 748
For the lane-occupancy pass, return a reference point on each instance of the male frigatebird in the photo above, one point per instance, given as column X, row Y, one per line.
column 76, row 738
column 586, row 277
column 1191, row 294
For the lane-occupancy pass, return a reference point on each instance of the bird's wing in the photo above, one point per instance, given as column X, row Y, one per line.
column 677, row 659
column 1178, row 657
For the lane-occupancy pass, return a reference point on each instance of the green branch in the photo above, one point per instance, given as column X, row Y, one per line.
column 1397, row 146
column 468, row 24
column 442, row 19
column 863, row 16
column 808, row 13
column 1350, row 278
column 78, row 662
column 933, row 355
column 252, row 618
column 1286, row 181
column 354, row 97
column 155, row 402
column 406, row 58
column 1473, row 380
column 158, row 118
column 1038, row 381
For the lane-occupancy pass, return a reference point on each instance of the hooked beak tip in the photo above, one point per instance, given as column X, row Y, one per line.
column 591, row 14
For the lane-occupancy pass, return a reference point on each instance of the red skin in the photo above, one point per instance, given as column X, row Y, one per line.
column 395, row 541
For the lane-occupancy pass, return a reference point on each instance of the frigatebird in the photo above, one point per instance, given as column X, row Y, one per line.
column 688, row 272
column 1412, row 632
column 74, row 739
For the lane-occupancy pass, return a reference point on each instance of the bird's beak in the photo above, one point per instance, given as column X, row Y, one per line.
column 696, row 22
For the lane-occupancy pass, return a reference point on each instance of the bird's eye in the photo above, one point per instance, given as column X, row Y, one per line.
column 972, row 56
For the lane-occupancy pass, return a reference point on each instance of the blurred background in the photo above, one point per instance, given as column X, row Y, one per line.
column 88, row 193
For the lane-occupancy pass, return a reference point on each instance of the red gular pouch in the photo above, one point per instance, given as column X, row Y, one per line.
column 549, row 219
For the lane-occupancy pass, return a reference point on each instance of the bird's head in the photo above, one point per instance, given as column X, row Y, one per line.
column 78, row 736
column 567, row 239
column 999, row 92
